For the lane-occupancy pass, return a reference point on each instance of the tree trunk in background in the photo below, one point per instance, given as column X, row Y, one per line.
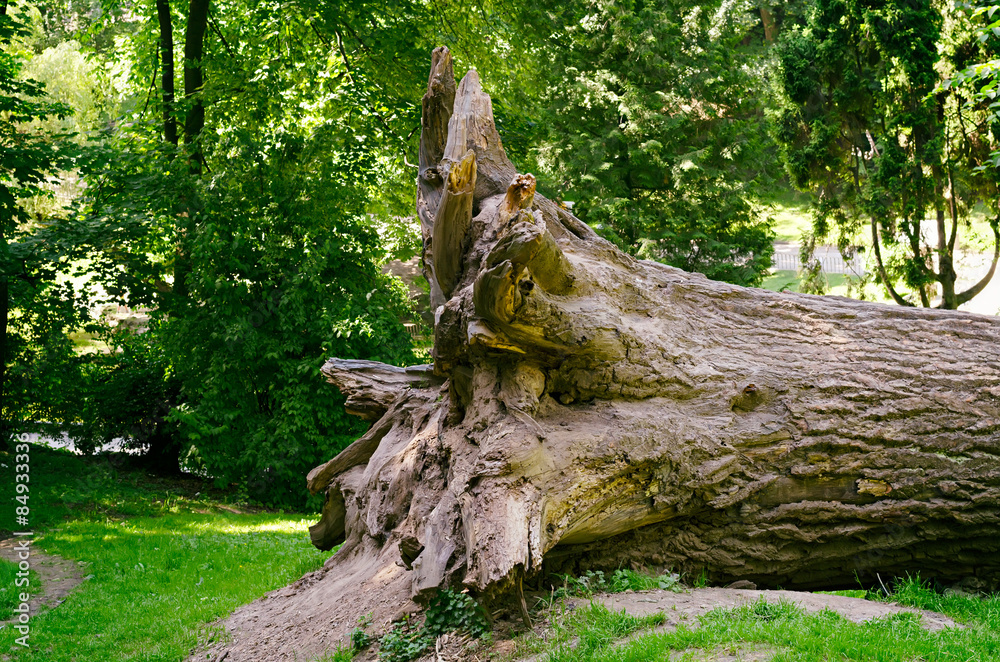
column 770, row 25
column 194, row 80
column 167, row 79
column 6, row 426
column 194, row 123
column 587, row 410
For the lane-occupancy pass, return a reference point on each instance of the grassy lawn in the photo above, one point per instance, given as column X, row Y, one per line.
column 787, row 280
column 790, row 211
column 163, row 559
column 837, row 285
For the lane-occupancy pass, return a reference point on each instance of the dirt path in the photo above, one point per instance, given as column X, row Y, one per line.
column 57, row 576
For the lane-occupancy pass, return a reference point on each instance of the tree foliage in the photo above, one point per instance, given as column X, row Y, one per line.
column 254, row 238
column 247, row 165
column 36, row 309
column 656, row 132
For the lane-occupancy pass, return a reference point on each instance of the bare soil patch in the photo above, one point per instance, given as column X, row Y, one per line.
column 688, row 606
column 312, row 616
column 733, row 653
column 56, row 576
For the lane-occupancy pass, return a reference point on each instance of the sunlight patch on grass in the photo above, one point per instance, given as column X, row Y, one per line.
column 157, row 580
column 791, row 215
column 788, row 281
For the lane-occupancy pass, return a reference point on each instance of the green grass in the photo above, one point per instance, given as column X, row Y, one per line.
column 848, row 593
column 583, row 634
column 8, row 591
column 163, row 557
column 594, row 634
column 788, row 280
column 68, row 487
column 790, row 212
column 837, row 285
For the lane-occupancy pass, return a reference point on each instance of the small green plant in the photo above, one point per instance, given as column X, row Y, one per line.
column 595, row 581
column 451, row 610
column 402, row 644
column 339, row 655
column 448, row 611
column 701, row 581
column 360, row 640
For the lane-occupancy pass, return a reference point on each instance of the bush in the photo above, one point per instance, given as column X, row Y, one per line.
column 284, row 274
column 128, row 394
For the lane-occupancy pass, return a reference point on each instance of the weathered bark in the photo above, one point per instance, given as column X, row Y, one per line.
column 590, row 407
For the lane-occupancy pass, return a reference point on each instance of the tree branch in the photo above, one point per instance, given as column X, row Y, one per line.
column 225, row 44
column 881, row 268
column 981, row 285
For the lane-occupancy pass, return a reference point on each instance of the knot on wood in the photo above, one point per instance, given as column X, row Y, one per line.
column 431, row 175
column 750, row 397
column 873, row 487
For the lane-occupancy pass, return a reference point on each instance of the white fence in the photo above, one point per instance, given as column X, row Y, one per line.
column 831, row 263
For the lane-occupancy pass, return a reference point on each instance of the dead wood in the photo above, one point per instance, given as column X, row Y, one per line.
column 593, row 408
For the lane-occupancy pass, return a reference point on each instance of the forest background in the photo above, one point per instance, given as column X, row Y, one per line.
column 241, row 173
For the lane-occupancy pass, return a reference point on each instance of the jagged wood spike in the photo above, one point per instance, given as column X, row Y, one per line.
column 451, row 223
column 437, row 105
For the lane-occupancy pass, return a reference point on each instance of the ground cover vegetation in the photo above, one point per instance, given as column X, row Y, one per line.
column 237, row 173
column 179, row 548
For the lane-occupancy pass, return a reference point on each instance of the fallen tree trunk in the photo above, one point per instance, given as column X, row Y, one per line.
column 593, row 408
